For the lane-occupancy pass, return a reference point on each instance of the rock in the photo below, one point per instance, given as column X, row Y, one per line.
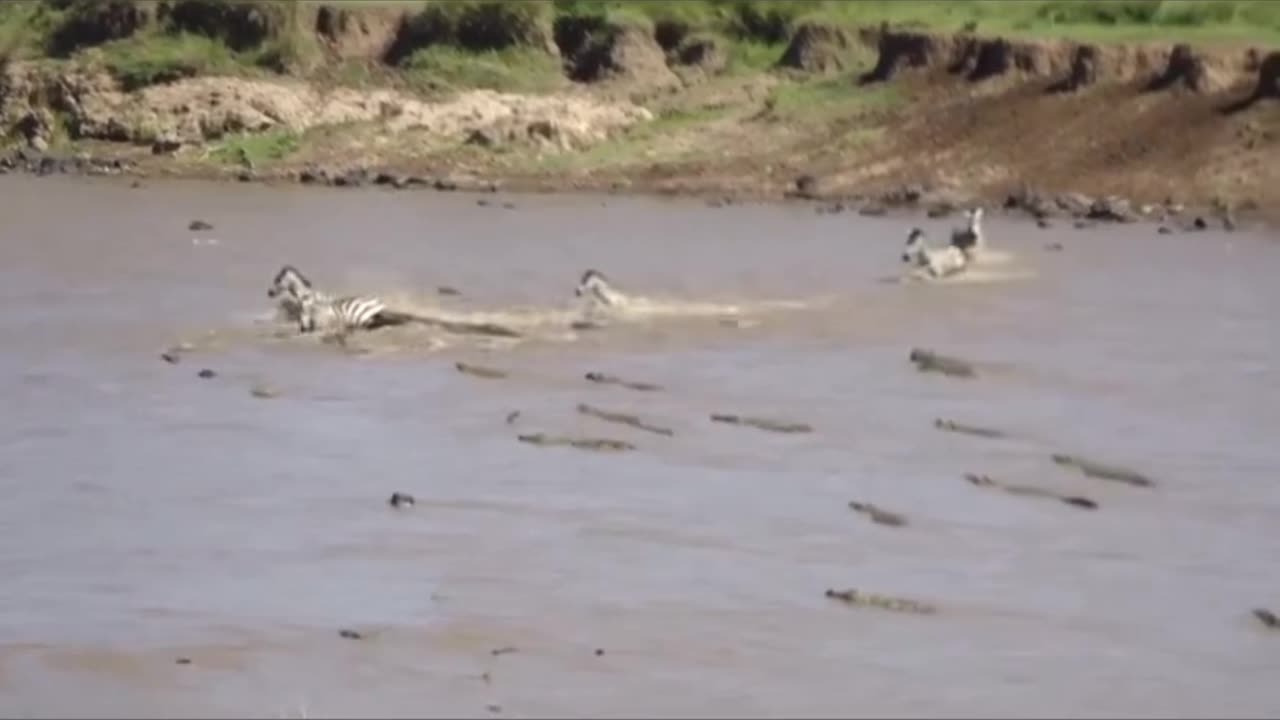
column 816, row 47
column 1054, row 247
column 806, row 186
column 399, row 500
column 206, row 373
column 1074, row 204
column 941, row 210
column 182, row 661
column 512, row 417
column 704, row 53
column 873, row 211
column 448, row 291
column 482, row 138
column 166, row 145
column 350, row 634
column 1164, row 230
column 1045, row 225
column 908, row 194
column 1112, row 208
column 198, row 225
column 1083, row 224
column 245, row 176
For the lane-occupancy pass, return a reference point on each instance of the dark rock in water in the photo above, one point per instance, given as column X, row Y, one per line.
column 1164, row 230
column 512, row 416
column 1082, row 224
column 206, row 373
column 1080, row 502
column 584, row 325
column 908, row 194
column 599, row 652
column 1043, row 224
column 509, row 206
column 399, row 500
column 1054, row 247
column 873, row 211
column 1267, row 618
column 170, row 357
column 350, row 634
column 199, row 225
column 1199, row 223
column 446, row 184
column 182, row 661
column 313, row 177
column 941, row 210
column 447, row 290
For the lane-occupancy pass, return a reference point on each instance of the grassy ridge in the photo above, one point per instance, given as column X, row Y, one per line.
column 29, row 28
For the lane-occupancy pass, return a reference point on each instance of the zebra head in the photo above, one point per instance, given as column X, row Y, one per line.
column 595, row 287
column 289, row 281
column 914, row 252
column 294, row 294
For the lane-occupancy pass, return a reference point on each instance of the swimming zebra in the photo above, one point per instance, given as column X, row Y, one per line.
column 594, row 288
column 300, row 302
column 970, row 239
column 937, row 262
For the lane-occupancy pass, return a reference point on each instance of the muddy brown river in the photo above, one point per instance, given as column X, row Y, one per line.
column 174, row 546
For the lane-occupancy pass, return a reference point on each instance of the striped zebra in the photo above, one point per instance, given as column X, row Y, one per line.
column 936, row 262
column 970, row 239
column 300, row 302
column 596, row 290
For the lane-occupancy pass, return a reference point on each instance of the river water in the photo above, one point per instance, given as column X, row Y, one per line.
column 174, row 546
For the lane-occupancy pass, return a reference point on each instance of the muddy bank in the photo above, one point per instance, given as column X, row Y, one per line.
column 1163, row 132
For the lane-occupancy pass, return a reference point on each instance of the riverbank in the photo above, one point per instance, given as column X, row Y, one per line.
column 1052, row 111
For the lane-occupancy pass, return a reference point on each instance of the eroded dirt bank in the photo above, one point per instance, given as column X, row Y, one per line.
column 866, row 118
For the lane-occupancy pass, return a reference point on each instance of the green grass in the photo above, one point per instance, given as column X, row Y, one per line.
column 149, row 59
column 256, row 148
column 754, row 31
column 825, row 98
column 510, row 70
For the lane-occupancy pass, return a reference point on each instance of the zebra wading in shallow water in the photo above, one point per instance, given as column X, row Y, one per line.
column 598, row 294
column 935, row 262
column 300, row 302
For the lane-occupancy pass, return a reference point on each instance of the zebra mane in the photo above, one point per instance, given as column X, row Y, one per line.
column 288, row 270
column 590, row 275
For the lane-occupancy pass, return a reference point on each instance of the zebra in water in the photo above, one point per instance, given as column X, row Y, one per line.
column 595, row 288
column 970, row 239
column 936, row 262
column 300, row 302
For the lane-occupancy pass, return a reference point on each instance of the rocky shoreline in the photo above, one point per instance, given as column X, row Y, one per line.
column 1080, row 210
